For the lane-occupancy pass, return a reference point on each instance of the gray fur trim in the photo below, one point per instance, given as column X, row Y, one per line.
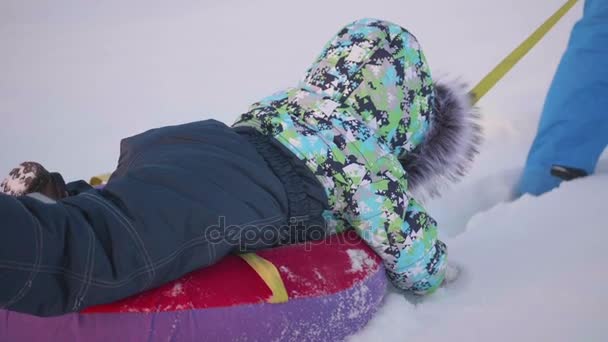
column 449, row 147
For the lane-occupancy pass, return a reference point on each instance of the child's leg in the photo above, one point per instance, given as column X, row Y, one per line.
column 182, row 198
column 97, row 247
column 85, row 250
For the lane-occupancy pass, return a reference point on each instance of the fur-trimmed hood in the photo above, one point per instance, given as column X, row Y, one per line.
column 379, row 75
column 449, row 145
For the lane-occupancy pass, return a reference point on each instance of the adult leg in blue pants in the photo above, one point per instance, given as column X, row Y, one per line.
column 573, row 129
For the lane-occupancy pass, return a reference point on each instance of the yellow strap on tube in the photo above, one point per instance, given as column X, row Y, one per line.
column 271, row 276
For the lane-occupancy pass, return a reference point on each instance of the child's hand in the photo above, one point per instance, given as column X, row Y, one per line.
column 451, row 274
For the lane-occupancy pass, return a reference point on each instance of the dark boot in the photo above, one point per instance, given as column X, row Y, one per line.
column 31, row 177
column 566, row 173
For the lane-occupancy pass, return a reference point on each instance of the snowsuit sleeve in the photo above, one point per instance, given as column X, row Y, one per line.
column 397, row 227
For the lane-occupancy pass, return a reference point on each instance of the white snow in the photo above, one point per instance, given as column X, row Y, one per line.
column 359, row 260
column 176, row 290
column 530, row 270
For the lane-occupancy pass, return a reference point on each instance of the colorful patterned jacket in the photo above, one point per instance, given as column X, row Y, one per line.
column 369, row 121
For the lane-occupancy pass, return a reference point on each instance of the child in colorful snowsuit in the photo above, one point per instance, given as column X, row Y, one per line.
column 344, row 149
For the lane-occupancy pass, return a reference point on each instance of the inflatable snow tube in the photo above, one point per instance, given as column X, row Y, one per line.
column 321, row 291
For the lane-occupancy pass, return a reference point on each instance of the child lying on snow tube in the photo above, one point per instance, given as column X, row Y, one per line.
column 342, row 150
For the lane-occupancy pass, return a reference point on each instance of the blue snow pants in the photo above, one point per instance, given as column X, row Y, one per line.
column 573, row 129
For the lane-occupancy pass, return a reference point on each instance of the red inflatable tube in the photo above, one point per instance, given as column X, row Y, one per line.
column 334, row 287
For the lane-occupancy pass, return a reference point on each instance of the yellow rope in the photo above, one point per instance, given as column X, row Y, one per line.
column 507, row 64
column 271, row 276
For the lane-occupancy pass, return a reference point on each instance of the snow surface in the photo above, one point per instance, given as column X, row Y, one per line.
column 359, row 260
column 76, row 77
column 531, row 270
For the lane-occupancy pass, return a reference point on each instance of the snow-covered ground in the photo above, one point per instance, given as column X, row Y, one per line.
column 76, row 76
column 532, row 270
